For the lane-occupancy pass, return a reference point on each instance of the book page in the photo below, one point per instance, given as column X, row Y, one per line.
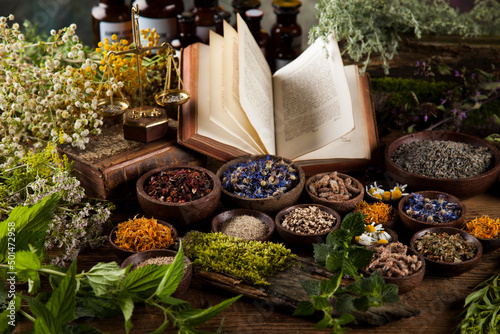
column 231, row 91
column 312, row 100
column 255, row 86
column 205, row 126
column 353, row 145
column 218, row 114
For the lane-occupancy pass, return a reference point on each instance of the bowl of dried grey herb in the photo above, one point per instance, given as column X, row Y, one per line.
column 451, row 162
column 448, row 251
column 338, row 191
column 246, row 224
column 302, row 225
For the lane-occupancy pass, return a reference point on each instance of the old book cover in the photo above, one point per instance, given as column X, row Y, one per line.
column 110, row 165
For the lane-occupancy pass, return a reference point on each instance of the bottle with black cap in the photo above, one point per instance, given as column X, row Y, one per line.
column 286, row 23
column 186, row 31
column 111, row 17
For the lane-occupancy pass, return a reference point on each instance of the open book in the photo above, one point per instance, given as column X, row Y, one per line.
column 314, row 110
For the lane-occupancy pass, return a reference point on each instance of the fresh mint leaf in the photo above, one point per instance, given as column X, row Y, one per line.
column 195, row 317
column 353, row 223
column 63, row 300
column 334, row 261
column 27, row 266
column 45, row 322
column 321, row 302
column 172, row 276
column 105, row 277
column 311, row 287
column 390, row 293
column 304, row 308
column 344, row 304
column 360, row 256
column 127, row 307
column 329, row 286
column 321, row 251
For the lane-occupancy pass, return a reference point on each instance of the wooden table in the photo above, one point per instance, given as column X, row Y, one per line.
column 439, row 299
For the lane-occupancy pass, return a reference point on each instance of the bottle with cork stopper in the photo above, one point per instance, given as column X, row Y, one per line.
column 111, row 17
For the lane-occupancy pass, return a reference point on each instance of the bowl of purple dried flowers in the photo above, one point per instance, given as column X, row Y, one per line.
column 265, row 183
column 448, row 251
column 455, row 163
column 424, row 209
column 181, row 195
column 338, row 191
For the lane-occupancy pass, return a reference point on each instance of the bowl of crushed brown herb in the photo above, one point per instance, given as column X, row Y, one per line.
column 338, row 191
column 265, row 183
column 303, row 225
column 424, row 209
column 161, row 257
column 399, row 265
column 181, row 195
column 486, row 230
column 455, row 163
column 141, row 234
column 246, row 224
column 448, row 251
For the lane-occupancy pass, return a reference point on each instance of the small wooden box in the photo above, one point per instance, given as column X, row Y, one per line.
column 110, row 165
column 145, row 124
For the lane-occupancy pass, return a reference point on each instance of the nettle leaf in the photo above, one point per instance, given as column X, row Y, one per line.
column 45, row 321
column 63, row 300
column 127, row 307
column 105, row 277
column 320, row 302
column 354, row 224
column 344, row 304
column 174, row 303
column 334, row 261
column 311, row 287
column 304, row 308
column 195, row 317
column 143, row 281
column 96, row 307
column 329, row 286
column 321, row 251
column 82, row 329
column 361, row 256
column 172, row 276
column 27, row 266
column 390, row 293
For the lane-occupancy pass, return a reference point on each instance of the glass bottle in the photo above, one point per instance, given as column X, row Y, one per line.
column 241, row 6
column 186, row 31
column 286, row 22
column 111, row 17
column 161, row 15
column 254, row 18
column 284, row 53
column 207, row 15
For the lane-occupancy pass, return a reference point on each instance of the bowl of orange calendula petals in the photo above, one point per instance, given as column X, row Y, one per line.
column 486, row 230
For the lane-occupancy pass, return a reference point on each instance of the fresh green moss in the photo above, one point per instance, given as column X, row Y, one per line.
column 251, row 261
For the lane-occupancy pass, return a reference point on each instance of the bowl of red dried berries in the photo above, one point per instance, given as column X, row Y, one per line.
column 424, row 209
column 246, row 224
column 399, row 265
column 161, row 257
column 303, row 225
column 455, row 163
column 448, row 251
column 181, row 195
column 338, row 191
column 265, row 183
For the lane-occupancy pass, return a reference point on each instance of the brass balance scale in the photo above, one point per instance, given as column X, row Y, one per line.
column 143, row 123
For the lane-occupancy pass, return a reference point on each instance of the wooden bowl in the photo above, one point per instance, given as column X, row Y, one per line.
column 300, row 240
column 405, row 283
column 489, row 245
column 415, row 225
column 446, row 268
column 123, row 253
column 341, row 207
column 461, row 188
column 226, row 215
column 179, row 214
column 269, row 205
column 391, row 232
column 139, row 257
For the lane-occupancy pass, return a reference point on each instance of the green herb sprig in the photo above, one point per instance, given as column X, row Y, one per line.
column 339, row 255
column 481, row 312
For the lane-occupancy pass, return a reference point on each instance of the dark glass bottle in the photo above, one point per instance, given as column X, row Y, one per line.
column 241, row 6
column 284, row 53
column 161, row 15
column 186, row 31
column 286, row 23
column 254, row 18
column 207, row 16
column 111, row 17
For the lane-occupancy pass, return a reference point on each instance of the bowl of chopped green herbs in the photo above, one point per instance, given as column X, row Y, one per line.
column 448, row 251
column 265, row 183
column 455, row 163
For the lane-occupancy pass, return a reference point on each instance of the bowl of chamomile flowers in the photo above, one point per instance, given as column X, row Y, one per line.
column 384, row 191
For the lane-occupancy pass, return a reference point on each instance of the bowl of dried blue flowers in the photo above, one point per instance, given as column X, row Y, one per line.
column 265, row 183
column 424, row 209
column 181, row 195
column 448, row 251
column 455, row 163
